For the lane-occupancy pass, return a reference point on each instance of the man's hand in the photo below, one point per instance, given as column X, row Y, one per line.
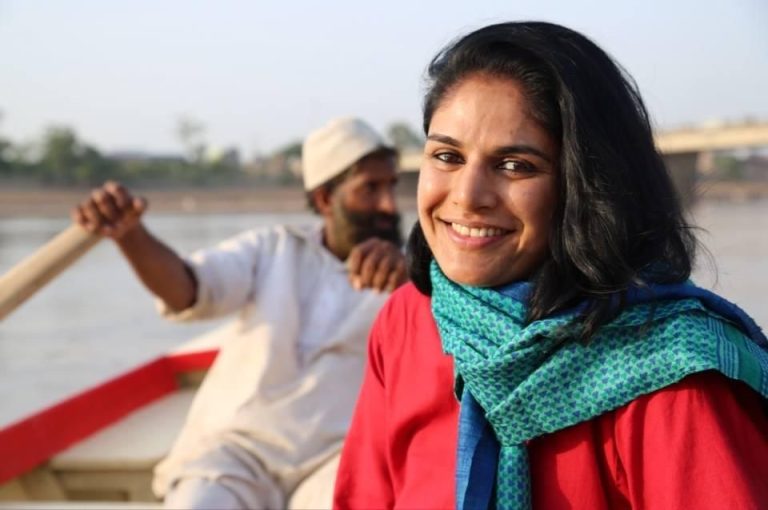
column 113, row 212
column 376, row 264
column 110, row 211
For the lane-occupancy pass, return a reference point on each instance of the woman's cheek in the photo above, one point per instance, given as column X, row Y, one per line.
column 428, row 189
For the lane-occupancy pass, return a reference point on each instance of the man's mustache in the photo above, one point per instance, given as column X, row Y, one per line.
column 375, row 224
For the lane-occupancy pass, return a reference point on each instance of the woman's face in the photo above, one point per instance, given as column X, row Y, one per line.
column 487, row 188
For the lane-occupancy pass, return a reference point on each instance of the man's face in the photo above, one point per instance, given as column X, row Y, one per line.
column 363, row 206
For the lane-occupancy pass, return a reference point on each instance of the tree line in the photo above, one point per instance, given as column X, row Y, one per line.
column 62, row 158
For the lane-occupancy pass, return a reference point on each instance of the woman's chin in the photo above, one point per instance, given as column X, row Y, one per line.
column 479, row 274
column 472, row 278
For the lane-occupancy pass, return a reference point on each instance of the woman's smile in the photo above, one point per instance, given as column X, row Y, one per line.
column 474, row 235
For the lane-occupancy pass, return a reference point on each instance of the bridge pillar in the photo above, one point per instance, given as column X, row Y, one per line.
column 682, row 169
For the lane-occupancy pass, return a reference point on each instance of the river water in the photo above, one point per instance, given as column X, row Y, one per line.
column 96, row 320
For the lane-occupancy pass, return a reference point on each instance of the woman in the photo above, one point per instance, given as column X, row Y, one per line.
column 550, row 352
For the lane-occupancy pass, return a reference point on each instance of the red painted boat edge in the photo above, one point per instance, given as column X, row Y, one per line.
column 31, row 441
column 191, row 361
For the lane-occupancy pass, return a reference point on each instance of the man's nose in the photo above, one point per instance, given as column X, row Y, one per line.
column 386, row 202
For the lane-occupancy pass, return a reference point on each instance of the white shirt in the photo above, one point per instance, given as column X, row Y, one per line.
column 285, row 381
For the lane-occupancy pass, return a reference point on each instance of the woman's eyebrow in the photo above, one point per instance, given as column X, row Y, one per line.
column 522, row 149
column 501, row 151
column 437, row 137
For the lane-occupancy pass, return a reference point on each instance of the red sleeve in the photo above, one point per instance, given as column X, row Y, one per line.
column 363, row 479
column 701, row 443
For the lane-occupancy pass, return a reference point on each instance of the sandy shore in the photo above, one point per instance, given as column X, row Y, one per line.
column 57, row 202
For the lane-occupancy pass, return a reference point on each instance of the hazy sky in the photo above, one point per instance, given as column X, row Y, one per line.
column 260, row 74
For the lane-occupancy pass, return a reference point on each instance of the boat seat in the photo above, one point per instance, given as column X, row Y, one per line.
column 116, row 464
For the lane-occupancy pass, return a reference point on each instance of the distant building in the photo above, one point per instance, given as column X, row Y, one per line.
column 756, row 168
column 278, row 168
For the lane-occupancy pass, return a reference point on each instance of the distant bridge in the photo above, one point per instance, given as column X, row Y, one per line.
column 713, row 138
column 681, row 149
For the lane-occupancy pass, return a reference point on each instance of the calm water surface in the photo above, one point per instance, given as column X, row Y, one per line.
column 96, row 320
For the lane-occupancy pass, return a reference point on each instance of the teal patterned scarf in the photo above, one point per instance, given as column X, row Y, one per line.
column 534, row 379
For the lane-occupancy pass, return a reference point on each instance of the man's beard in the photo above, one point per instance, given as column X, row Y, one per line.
column 353, row 227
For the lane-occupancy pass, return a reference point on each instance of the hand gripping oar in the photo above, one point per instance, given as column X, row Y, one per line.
column 32, row 273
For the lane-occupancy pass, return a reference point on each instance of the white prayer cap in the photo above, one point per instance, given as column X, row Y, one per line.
column 335, row 147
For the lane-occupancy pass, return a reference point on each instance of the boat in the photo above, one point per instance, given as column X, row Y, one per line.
column 96, row 448
column 100, row 445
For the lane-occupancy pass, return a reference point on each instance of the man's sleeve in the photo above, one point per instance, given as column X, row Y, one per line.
column 226, row 277
column 701, row 443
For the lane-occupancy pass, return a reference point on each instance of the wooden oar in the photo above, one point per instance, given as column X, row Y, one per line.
column 32, row 273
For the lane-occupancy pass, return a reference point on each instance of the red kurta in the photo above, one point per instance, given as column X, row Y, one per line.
column 701, row 443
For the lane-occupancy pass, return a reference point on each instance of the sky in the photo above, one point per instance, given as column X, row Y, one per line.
column 261, row 74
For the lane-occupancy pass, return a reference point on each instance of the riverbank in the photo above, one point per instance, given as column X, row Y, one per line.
column 54, row 202
column 47, row 202
column 732, row 191
column 59, row 202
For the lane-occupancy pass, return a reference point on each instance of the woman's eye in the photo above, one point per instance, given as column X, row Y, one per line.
column 516, row 165
column 447, row 157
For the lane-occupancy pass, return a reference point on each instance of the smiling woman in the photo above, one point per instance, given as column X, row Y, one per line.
column 487, row 190
column 561, row 357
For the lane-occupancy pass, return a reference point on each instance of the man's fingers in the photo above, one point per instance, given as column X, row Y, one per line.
column 119, row 194
column 107, row 207
column 391, row 272
column 109, row 210
column 386, row 266
column 379, row 265
column 358, row 260
column 353, row 260
column 358, row 254
column 80, row 217
column 139, row 205
column 93, row 217
column 396, row 277
column 369, row 267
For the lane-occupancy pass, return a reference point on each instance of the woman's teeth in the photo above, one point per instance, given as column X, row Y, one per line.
column 476, row 232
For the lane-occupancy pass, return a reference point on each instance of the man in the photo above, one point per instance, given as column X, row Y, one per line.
column 272, row 413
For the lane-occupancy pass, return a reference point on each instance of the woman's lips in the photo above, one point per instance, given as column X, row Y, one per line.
column 471, row 231
column 473, row 235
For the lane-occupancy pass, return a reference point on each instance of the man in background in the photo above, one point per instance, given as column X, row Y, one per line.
column 273, row 411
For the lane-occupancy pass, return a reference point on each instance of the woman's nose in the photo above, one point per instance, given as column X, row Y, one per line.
column 473, row 187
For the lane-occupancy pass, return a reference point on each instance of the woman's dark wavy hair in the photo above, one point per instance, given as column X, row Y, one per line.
column 618, row 222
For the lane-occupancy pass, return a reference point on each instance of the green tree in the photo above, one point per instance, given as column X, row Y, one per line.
column 284, row 165
column 6, row 165
column 191, row 133
column 291, row 150
column 729, row 168
column 60, row 155
column 5, row 154
column 66, row 160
